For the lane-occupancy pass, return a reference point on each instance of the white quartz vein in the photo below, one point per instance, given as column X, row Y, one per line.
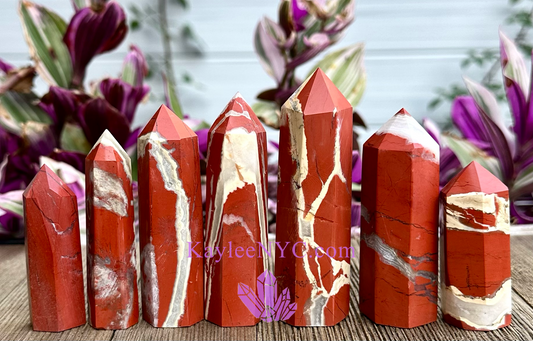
column 168, row 169
column 315, row 305
column 478, row 312
column 482, row 202
column 241, row 164
column 109, row 192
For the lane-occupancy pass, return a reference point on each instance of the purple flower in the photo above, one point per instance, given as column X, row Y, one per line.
column 202, row 142
column 90, row 33
column 299, row 12
column 123, row 96
column 357, row 166
column 134, row 68
column 5, row 67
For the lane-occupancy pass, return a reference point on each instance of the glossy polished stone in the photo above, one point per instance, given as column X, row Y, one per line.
column 170, row 222
column 398, row 279
column 55, row 273
column 111, row 252
column 476, row 251
column 314, row 202
column 236, row 212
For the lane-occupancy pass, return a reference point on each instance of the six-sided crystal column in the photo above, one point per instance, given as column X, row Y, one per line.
column 53, row 251
column 398, row 254
column 476, row 251
column 170, row 222
column 111, row 251
column 236, row 208
column 314, row 202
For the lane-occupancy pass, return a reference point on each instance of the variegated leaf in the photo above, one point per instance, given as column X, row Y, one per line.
column 44, row 31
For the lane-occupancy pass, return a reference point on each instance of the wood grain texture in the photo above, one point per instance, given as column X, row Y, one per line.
column 15, row 321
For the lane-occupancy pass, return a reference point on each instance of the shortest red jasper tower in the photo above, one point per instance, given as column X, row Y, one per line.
column 476, row 251
column 111, row 252
column 398, row 278
column 55, row 273
column 170, row 222
column 236, row 213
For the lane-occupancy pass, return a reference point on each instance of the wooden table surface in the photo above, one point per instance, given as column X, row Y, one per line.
column 15, row 318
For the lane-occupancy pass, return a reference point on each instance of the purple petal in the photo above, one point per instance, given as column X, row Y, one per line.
column 75, row 159
column 467, row 119
column 299, row 12
column 357, row 167
column 500, row 146
column 522, row 210
column 356, row 213
column 203, row 135
column 268, row 52
column 5, row 67
column 61, row 104
column 449, row 165
column 432, row 129
column 90, row 33
column 123, row 96
column 317, row 43
column 136, row 64
column 98, row 115
column 132, row 139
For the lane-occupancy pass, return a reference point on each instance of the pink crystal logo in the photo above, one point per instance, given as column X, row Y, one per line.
column 268, row 306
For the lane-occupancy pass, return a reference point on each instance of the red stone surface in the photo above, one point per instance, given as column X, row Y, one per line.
column 55, row 273
column 314, row 198
column 111, row 254
column 170, row 217
column 476, row 250
column 236, row 212
column 398, row 253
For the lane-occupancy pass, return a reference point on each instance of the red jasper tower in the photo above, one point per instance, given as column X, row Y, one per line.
column 314, row 202
column 170, row 222
column 398, row 262
column 236, row 212
column 111, row 253
column 55, row 273
column 476, row 252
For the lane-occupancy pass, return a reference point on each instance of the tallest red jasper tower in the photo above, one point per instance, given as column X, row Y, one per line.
column 314, row 193
column 400, row 189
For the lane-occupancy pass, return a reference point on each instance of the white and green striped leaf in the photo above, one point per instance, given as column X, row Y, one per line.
column 44, row 31
column 346, row 70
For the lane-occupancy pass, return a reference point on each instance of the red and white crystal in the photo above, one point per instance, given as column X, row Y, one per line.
column 236, row 212
column 55, row 273
column 314, row 202
column 170, row 222
column 398, row 254
column 476, row 255
column 111, row 252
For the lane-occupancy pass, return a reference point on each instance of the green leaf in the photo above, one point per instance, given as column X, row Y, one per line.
column 44, row 31
column 172, row 98
column 17, row 108
column 12, row 202
column 523, row 183
column 73, row 139
column 345, row 68
column 268, row 112
column 467, row 152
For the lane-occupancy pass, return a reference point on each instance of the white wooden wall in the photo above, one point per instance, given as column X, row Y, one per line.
column 412, row 47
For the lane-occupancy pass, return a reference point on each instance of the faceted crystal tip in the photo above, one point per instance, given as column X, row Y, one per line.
column 168, row 124
column 318, row 95
column 107, row 139
column 475, row 178
column 403, row 112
